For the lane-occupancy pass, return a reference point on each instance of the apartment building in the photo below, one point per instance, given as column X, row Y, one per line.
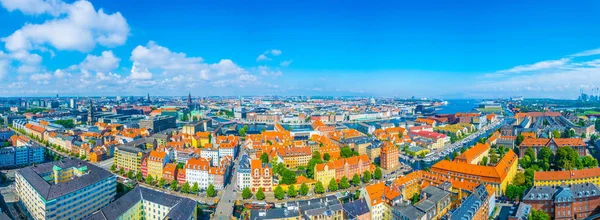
column 67, row 189
column 567, row 177
column 343, row 167
column 129, row 158
column 144, row 203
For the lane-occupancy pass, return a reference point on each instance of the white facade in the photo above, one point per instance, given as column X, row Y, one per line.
column 199, row 176
column 211, row 153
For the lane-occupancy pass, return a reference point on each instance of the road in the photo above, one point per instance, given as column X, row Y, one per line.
column 106, row 164
column 226, row 203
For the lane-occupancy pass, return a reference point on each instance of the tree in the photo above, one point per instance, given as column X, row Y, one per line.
column 304, row 189
column 138, row 176
column 415, row 198
column 326, row 157
column 149, row 180
column 113, row 168
column 186, row 188
column 288, row 177
column 319, row 188
column 130, row 174
column 194, row 118
column 210, row 191
column 493, row 157
column 545, row 154
column 121, row 171
column 344, row 184
column 556, row 134
column 260, row 194
column 292, row 191
column 513, row 191
column 246, row 193
column 367, row 176
column 589, row 161
column 184, row 117
column 529, row 152
column 195, row 188
column 161, row 183
column 333, row 185
column 538, row 215
column 484, row 160
column 279, row 193
column 447, row 158
column 567, row 158
column 174, row 185
column 519, row 179
column 377, row 174
column 529, row 173
column 346, row 152
column 264, row 157
column 520, row 139
column 355, row 180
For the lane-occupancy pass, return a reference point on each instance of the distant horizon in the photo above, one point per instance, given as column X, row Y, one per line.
column 426, row 49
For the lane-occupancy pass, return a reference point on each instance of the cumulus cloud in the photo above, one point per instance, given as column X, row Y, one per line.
column 139, row 73
column 107, row 61
column 35, row 7
column 266, row 71
column 262, row 57
column 4, row 65
column 41, row 76
column 285, row 63
column 81, row 29
column 265, row 56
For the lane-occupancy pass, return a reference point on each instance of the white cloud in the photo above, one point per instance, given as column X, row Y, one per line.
column 538, row 66
column 276, row 52
column 60, row 74
column 262, row 57
column 285, row 63
column 4, row 65
column 587, row 53
column 266, row 71
column 35, row 7
column 81, row 29
column 103, row 63
column 227, row 67
column 155, row 56
column 139, row 73
column 41, row 76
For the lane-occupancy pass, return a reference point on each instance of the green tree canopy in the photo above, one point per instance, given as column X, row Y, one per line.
column 319, row 188
column 246, row 193
column 260, row 194
column 264, row 157
column 333, row 185
column 161, row 183
column 174, row 185
column 210, row 191
column 326, row 157
column 195, row 188
column 279, row 193
column 355, row 180
column 346, row 152
column 377, row 174
column 367, row 176
column 292, row 191
column 304, row 189
column 344, row 184
column 186, row 188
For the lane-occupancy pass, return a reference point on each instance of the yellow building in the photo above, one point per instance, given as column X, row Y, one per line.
column 67, row 189
column 567, row 177
column 128, row 158
column 156, row 163
column 144, row 203
column 200, row 139
column 295, row 156
column 324, row 173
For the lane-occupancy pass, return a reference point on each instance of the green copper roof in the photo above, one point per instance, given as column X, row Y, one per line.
column 56, row 168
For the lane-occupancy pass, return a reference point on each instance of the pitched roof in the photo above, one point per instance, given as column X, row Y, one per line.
column 474, row 152
column 566, row 174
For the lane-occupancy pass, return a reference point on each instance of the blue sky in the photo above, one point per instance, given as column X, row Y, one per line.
column 463, row 49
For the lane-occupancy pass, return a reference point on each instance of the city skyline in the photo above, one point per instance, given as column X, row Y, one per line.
column 389, row 49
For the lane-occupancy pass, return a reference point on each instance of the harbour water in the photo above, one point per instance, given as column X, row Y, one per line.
column 458, row 105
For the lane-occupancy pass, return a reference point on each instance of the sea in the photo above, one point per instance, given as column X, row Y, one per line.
column 458, row 105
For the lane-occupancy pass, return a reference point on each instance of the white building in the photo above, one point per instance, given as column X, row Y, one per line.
column 243, row 172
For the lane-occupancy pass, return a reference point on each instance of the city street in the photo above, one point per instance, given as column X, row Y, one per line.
column 227, row 201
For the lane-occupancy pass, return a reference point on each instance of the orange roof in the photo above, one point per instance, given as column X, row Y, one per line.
column 157, row 155
column 201, row 134
column 560, row 142
column 303, row 179
column 170, row 169
column 497, row 173
column 490, row 116
column 566, row 175
column 528, row 134
column 395, row 130
column 474, row 152
column 375, row 192
column 197, row 163
column 294, row 151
